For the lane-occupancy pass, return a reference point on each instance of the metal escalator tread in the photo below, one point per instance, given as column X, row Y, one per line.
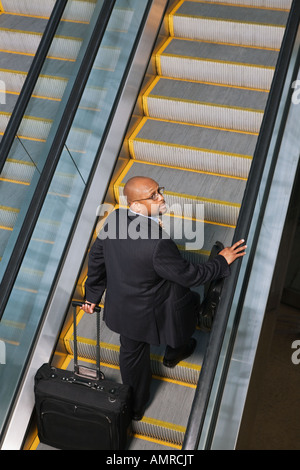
column 198, row 103
column 198, row 148
column 214, row 62
column 81, row 8
column 232, row 53
column 17, row 23
column 240, row 13
column 214, row 22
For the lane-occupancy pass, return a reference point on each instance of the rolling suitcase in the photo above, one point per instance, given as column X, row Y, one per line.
column 80, row 409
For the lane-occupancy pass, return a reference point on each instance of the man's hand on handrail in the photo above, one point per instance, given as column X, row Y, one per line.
column 235, row 251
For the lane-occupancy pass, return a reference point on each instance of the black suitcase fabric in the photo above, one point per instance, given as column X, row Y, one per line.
column 80, row 413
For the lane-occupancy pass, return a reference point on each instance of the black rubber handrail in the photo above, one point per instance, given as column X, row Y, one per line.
column 31, row 80
column 209, row 367
column 54, row 154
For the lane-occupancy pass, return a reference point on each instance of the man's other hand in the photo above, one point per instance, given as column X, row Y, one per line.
column 235, row 251
column 88, row 307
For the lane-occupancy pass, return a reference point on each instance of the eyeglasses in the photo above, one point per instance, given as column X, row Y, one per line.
column 153, row 196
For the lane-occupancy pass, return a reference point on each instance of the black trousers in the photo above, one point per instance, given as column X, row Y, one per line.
column 136, row 370
column 135, row 365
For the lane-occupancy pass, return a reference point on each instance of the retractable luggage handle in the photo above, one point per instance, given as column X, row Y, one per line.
column 81, row 370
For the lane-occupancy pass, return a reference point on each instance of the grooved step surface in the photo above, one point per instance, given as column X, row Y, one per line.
column 229, row 24
column 221, row 52
column 233, row 13
column 278, row 4
column 209, row 94
column 181, row 134
column 193, row 184
column 23, row 23
column 218, row 106
column 194, row 147
column 217, row 63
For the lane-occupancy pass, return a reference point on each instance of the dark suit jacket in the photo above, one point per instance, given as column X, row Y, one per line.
column 148, row 283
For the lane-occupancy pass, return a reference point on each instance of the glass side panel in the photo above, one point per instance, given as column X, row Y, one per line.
column 38, row 271
column 34, row 137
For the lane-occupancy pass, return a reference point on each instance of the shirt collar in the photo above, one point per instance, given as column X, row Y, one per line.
column 156, row 219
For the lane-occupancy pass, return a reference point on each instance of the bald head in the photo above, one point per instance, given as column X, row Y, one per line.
column 138, row 188
column 139, row 192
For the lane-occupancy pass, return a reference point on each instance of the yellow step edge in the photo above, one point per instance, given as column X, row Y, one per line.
column 159, row 53
column 146, row 94
column 211, row 41
column 203, row 199
column 156, row 441
column 225, row 20
column 204, row 126
column 9, row 180
column 17, row 93
column 204, row 103
column 33, row 118
column 134, row 134
column 171, row 16
column 24, row 137
column 21, row 162
column 240, row 5
column 34, row 33
column 163, row 424
column 191, row 170
column 200, row 149
column 9, row 209
column 27, row 15
column 20, row 31
column 224, row 85
column 218, row 61
column 21, row 72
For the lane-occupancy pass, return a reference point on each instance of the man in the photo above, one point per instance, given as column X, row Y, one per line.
column 148, row 298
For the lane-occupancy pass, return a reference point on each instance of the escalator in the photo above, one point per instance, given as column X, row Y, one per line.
column 194, row 130
column 21, row 30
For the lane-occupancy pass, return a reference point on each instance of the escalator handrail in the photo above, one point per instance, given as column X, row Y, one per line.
column 13, row 125
column 209, row 367
column 53, row 156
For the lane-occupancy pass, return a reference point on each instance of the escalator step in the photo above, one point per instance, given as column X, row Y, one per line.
column 217, row 63
column 197, row 148
column 76, row 10
column 229, row 24
column 23, row 34
column 211, row 105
